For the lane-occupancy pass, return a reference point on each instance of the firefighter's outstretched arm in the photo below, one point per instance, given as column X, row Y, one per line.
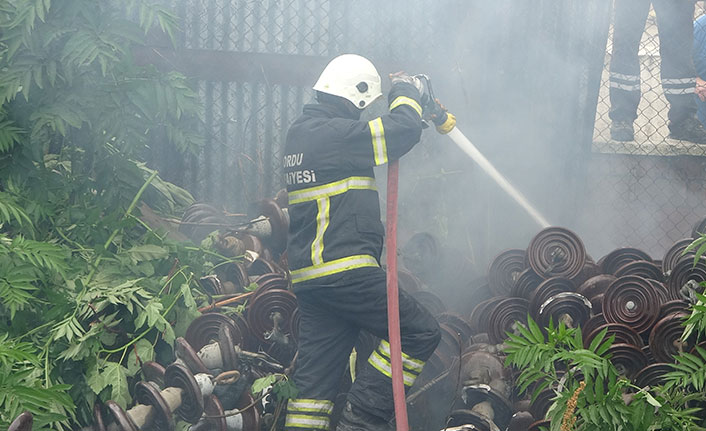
column 388, row 137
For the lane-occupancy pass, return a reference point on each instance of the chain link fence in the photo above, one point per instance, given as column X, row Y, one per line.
column 525, row 80
column 650, row 191
column 246, row 120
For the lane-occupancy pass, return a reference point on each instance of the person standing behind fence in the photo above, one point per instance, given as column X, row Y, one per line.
column 674, row 21
column 700, row 63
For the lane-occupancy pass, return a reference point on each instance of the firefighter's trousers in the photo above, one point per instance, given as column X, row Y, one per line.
column 675, row 20
column 331, row 317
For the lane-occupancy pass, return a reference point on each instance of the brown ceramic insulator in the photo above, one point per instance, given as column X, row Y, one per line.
column 556, row 252
column 661, row 290
column 481, row 367
column 294, row 324
column 623, row 335
column 676, row 252
column 525, row 284
column 147, row 393
column 243, row 336
column 641, row 268
column 621, row 256
column 98, row 424
column 435, row 366
column 505, row 315
column 570, row 308
column 458, row 324
column 430, row 301
column 252, row 243
column 211, row 285
column 481, row 338
column 122, row 420
column 153, row 372
column 504, row 271
column 235, row 273
column 652, row 375
column 279, row 223
column 227, row 347
column 478, row 318
column 627, row 359
column 501, row 406
column 261, row 309
column 199, row 213
column 540, row 425
column 541, row 404
column 475, row 421
column 665, row 338
column 204, row 329
column 270, row 281
column 592, row 323
column 261, row 266
column 421, row 254
column 251, row 417
column 450, row 344
column 522, row 405
column 23, row 422
column 282, row 198
column 215, row 420
column 596, row 285
column 520, row 421
column 631, row 300
column 590, row 269
column 699, row 228
column 408, row 281
column 191, row 407
column 186, row 353
column 674, row 306
column 648, row 354
column 701, row 345
column 200, row 207
column 597, row 303
column 685, row 272
column 550, row 287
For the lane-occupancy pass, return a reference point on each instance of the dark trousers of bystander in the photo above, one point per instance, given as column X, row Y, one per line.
column 675, row 24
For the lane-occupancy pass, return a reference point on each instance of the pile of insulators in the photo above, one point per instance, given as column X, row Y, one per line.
column 228, row 347
column 639, row 300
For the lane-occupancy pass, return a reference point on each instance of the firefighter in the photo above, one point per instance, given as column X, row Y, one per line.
column 335, row 244
column 675, row 22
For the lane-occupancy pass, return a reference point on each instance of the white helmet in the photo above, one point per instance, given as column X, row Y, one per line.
column 352, row 77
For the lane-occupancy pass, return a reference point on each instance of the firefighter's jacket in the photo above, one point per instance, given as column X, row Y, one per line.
column 334, row 208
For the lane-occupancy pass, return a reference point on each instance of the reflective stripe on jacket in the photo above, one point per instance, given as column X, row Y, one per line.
column 328, row 164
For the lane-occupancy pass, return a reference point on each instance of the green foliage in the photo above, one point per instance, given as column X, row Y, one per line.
column 279, row 384
column 690, row 371
column 557, row 359
column 88, row 291
column 20, row 389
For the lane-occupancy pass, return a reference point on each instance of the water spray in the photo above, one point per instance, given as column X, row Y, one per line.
column 467, row 147
column 446, row 124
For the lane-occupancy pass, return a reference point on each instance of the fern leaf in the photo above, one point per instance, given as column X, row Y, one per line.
column 9, row 135
column 16, row 288
column 42, row 255
column 10, row 211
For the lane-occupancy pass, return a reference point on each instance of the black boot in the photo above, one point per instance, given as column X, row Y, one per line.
column 622, row 131
column 689, row 129
column 354, row 419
